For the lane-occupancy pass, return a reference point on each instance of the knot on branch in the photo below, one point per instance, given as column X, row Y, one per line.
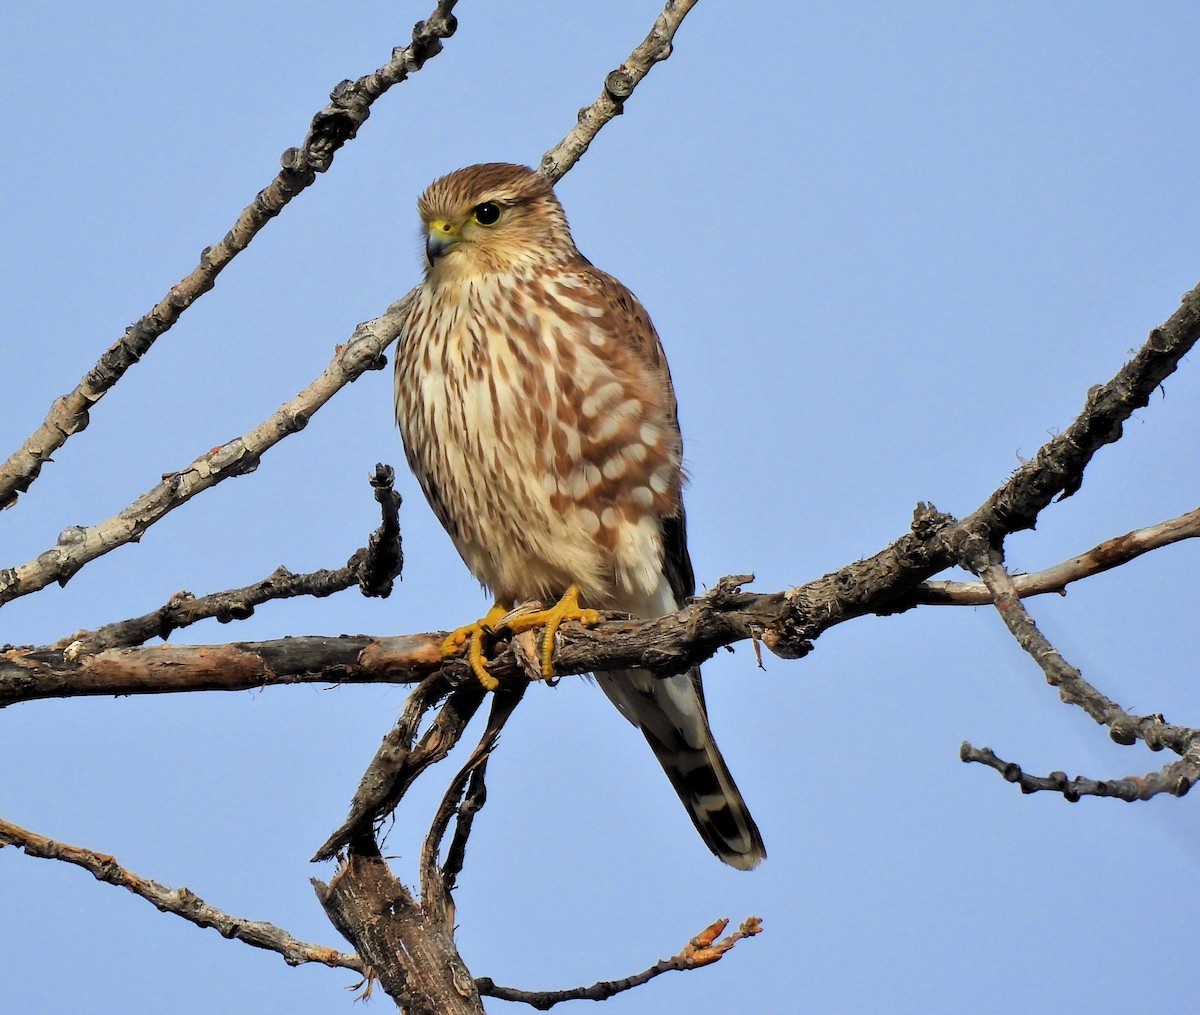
column 619, row 85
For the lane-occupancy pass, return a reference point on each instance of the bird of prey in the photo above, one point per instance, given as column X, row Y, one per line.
column 538, row 415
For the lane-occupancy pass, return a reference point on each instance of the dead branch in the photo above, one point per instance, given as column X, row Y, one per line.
column 27, row 674
column 412, row 954
column 332, row 127
column 179, row 901
column 409, row 943
column 373, row 568
column 702, row 950
column 1056, row 471
column 1102, row 557
column 1176, row 778
column 618, row 86
column 79, row 544
column 437, row 879
column 397, row 762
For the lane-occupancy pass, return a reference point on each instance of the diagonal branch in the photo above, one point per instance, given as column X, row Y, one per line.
column 1124, row 728
column 1057, row 469
column 80, row 544
column 437, row 880
column 179, row 901
column 398, row 762
column 1100, row 558
column 618, row 86
column 702, row 950
column 373, row 568
column 868, row 586
column 332, row 127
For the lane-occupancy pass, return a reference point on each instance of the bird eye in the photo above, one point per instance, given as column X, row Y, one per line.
column 487, row 214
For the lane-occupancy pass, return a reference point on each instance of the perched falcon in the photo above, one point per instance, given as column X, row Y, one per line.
column 538, row 415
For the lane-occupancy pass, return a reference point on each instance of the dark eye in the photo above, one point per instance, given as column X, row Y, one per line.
column 487, row 214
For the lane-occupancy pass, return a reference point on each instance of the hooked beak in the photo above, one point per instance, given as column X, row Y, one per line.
column 440, row 236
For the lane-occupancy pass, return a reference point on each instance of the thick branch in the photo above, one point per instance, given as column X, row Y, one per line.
column 28, row 674
column 414, row 958
column 1057, row 469
column 331, row 128
column 178, row 901
column 883, row 580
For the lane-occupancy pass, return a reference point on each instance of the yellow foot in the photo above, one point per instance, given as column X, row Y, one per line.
column 473, row 635
column 567, row 608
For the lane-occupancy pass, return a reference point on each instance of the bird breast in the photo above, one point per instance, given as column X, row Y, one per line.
column 540, row 440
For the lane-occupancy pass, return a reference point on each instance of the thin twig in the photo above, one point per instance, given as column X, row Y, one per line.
column 179, row 901
column 373, row 568
column 618, row 86
column 398, row 761
column 702, row 950
column 80, row 544
column 1124, row 728
column 437, row 881
column 1102, row 557
column 331, row 128
column 1174, row 779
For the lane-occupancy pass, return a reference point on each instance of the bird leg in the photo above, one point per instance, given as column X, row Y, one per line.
column 473, row 635
column 567, row 608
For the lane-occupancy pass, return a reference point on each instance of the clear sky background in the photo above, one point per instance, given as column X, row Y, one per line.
column 888, row 247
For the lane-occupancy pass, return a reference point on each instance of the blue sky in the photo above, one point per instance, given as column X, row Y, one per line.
column 888, row 250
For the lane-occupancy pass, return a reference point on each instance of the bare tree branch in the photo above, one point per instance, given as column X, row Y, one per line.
column 1102, row 557
column 28, row 674
column 409, row 944
column 332, row 127
column 179, row 901
column 397, row 762
column 618, row 86
column 79, row 544
column 1057, row 469
column 722, row 617
column 437, row 879
column 1174, row 779
column 373, row 568
column 702, row 950
column 1124, row 728
column 411, row 951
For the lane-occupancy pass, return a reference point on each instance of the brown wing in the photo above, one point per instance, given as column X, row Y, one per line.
column 631, row 321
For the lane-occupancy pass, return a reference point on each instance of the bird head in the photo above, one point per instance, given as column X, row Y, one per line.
column 489, row 218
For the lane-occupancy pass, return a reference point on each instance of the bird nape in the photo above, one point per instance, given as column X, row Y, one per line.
column 538, row 415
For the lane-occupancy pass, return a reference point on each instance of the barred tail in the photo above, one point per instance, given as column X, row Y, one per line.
column 670, row 713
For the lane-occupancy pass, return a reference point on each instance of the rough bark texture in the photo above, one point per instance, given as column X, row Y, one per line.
column 410, row 951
